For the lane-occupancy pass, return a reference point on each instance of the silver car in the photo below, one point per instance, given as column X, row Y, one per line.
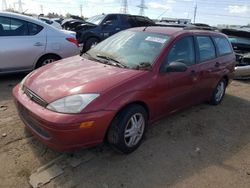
column 27, row 43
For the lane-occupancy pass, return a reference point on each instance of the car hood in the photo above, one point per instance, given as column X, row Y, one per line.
column 76, row 75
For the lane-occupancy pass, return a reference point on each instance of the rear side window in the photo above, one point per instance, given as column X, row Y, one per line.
column 34, row 28
column 16, row 27
column 223, row 45
column 206, row 48
column 182, row 51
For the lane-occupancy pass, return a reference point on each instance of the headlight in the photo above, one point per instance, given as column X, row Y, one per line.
column 72, row 104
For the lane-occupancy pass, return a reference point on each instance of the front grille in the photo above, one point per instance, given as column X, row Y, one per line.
column 30, row 121
column 34, row 97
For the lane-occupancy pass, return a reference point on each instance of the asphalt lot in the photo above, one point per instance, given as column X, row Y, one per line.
column 203, row 146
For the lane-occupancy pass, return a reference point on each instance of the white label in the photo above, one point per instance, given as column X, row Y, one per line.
column 156, row 39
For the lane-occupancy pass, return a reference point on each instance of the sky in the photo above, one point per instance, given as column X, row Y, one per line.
column 213, row 12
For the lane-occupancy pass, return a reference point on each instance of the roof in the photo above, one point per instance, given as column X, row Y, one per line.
column 23, row 17
column 174, row 31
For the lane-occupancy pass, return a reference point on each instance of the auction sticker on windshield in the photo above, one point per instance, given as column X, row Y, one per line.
column 156, row 39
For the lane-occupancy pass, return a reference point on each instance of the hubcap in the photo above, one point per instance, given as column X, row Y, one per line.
column 47, row 61
column 134, row 130
column 220, row 91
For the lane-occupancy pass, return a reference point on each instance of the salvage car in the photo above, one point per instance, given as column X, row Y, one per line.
column 100, row 27
column 28, row 43
column 241, row 44
column 121, row 85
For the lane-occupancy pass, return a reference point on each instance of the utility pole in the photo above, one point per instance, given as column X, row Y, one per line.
column 81, row 10
column 124, row 7
column 41, row 7
column 20, row 6
column 195, row 12
column 4, row 5
column 142, row 7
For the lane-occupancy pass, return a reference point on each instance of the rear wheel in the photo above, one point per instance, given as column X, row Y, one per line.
column 46, row 60
column 219, row 92
column 127, row 129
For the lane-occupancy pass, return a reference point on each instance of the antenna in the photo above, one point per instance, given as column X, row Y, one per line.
column 124, row 6
column 4, row 5
column 142, row 7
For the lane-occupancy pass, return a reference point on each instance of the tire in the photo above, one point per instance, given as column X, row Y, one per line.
column 46, row 60
column 89, row 43
column 125, row 136
column 219, row 92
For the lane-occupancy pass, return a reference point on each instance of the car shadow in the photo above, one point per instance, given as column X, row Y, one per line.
column 174, row 149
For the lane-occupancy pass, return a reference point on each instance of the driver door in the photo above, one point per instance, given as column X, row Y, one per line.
column 178, row 89
column 110, row 26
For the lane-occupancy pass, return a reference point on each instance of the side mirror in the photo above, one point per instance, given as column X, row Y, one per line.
column 175, row 67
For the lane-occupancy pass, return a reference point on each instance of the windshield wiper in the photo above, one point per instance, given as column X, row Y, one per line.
column 144, row 66
column 114, row 61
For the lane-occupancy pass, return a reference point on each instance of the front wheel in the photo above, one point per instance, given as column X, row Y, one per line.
column 127, row 129
column 46, row 60
column 219, row 92
column 90, row 43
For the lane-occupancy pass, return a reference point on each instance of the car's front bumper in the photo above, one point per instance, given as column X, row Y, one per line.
column 242, row 71
column 62, row 131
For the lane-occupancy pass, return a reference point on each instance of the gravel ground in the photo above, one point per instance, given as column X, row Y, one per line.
column 203, row 146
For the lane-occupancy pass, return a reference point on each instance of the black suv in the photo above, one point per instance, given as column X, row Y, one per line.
column 100, row 27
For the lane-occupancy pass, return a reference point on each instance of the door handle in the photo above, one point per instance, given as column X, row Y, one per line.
column 217, row 64
column 117, row 29
column 38, row 44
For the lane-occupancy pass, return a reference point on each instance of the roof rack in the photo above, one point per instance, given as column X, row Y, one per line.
column 200, row 28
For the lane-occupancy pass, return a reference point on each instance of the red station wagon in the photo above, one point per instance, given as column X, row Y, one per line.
column 122, row 84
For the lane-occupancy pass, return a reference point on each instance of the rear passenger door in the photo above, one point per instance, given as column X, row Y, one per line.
column 208, row 66
column 21, row 42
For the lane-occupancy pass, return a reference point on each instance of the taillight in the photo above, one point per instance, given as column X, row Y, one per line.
column 73, row 40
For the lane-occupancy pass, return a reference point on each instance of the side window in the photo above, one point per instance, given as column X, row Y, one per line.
column 206, row 48
column 182, row 51
column 131, row 21
column 142, row 21
column 223, row 45
column 13, row 27
column 34, row 28
column 112, row 19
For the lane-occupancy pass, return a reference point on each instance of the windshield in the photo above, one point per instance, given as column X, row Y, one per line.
column 131, row 48
column 96, row 19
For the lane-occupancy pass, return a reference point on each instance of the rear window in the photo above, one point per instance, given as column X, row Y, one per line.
column 223, row 45
column 206, row 48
